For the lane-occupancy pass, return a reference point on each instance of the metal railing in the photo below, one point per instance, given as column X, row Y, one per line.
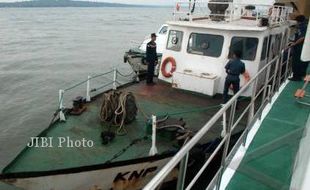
column 260, row 97
column 197, row 9
column 113, row 84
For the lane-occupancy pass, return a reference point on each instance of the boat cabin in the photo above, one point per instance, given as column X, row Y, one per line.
column 198, row 48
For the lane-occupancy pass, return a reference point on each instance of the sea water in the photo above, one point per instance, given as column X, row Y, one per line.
column 45, row 49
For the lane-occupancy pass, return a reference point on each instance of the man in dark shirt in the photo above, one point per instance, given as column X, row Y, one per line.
column 151, row 59
column 234, row 68
column 299, row 67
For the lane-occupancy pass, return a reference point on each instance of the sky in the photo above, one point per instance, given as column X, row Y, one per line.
column 142, row 2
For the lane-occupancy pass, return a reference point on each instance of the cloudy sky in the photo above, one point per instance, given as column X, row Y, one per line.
column 142, row 2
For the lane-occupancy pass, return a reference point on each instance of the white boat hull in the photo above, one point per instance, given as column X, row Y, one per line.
column 126, row 177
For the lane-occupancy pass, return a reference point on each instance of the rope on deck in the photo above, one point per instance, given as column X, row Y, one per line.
column 118, row 109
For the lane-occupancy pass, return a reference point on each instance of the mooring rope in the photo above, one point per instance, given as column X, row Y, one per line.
column 121, row 113
column 114, row 109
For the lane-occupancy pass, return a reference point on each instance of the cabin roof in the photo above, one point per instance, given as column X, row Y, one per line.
column 236, row 25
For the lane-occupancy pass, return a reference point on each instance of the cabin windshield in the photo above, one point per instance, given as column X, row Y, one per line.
column 246, row 45
column 205, row 44
column 163, row 30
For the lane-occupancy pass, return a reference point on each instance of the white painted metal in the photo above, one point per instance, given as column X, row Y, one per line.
column 305, row 55
column 115, row 79
column 223, row 133
column 114, row 84
column 235, row 11
column 199, row 65
column 189, row 67
column 153, row 149
column 103, row 179
column 255, row 2
column 205, row 83
column 236, row 25
column 88, row 89
column 61, row 105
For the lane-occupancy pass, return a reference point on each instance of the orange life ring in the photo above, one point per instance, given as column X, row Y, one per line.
column 164, row 65
column 247, row 78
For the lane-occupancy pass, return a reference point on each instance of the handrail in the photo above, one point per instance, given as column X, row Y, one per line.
column 194, row 9
column 114, row 82
column 181, row 154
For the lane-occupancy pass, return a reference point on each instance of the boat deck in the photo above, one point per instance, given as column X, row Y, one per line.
column 269, row 161
column 160, row 99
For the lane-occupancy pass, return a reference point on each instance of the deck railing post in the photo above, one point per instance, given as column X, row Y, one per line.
column 182, row 173
column 266, row 85
column 251, row 111
column 226, row 146
column 61, row 105
column 273, row 87
column 253, row 98
column 114, row 79
column 224, row 125
column 88, row 89
column 280, row 69
column 153, row 149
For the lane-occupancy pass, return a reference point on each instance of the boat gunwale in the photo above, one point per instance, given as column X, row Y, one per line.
column 4, row 174
column 82, row 169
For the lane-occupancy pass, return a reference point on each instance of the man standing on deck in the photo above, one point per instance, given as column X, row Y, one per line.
column 151, row 59
column 299, row 67
column 234, row 68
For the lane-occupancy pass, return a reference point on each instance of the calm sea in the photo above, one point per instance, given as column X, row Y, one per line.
column 45, row 49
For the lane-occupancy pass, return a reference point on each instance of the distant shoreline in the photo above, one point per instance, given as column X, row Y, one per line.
column 155, row 7
column 71, row 4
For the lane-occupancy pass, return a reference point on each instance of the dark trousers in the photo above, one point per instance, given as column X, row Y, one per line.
column 236, row 87
column 299, row 67
column 150, row 72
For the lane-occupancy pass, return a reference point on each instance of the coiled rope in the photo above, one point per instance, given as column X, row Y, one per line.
column 118, row 109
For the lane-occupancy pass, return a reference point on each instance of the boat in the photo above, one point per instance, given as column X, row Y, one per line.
column 271, row 153
column 126, row 135
column 136, row 56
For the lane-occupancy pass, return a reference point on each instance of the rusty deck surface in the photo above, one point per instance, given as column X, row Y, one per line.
column 160, row 100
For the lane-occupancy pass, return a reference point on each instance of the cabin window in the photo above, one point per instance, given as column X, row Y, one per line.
column 264, row 50
column 247, row 46
column 175, row 40
column 205, row 44
column 163, row 30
